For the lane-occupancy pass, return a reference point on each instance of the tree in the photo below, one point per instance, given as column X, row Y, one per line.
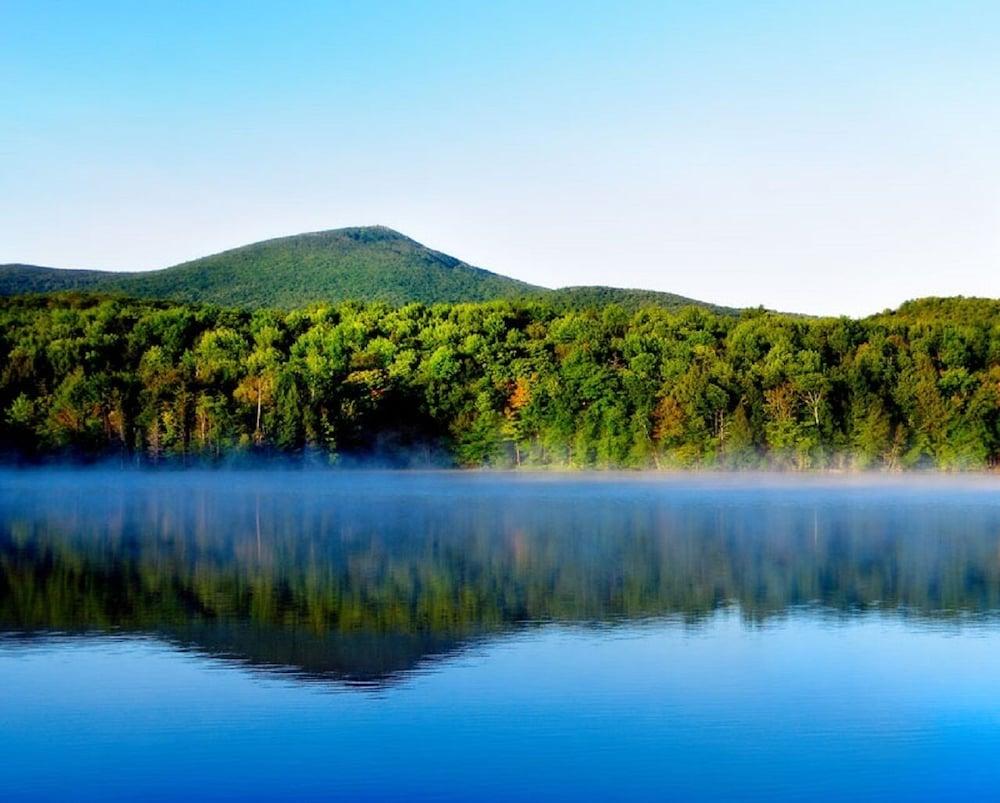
column 257, row 386
column 504, row 383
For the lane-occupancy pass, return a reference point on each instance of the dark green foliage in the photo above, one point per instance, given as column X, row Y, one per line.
column 373, row 264
column 503, row 383
column 20, row 279
column 569, row 298
column 368, row 264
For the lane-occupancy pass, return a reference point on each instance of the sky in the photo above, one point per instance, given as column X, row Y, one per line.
column 817, row 157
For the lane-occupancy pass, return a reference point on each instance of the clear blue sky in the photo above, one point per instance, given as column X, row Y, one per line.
column 823, row 157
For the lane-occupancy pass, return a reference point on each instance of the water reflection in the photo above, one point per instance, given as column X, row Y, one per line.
column 364, row 577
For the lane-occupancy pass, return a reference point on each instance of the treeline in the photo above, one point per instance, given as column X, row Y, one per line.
column 503, row 384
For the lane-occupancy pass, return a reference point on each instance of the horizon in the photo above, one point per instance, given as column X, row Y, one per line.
column 835, row 160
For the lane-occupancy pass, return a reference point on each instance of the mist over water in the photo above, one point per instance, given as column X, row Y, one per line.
column 738, row 634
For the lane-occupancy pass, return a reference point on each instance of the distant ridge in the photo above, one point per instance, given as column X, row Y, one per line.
column 16, row 279
column 368, row 263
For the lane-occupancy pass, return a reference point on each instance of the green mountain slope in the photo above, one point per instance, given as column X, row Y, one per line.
column 17, row 279
column 366, row 263
column 631, row 299
column 373, row 264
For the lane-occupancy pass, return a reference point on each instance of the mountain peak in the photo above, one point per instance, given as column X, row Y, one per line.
column 366, row 263
column 375, row 233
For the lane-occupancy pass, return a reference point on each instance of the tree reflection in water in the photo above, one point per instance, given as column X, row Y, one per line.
column 361, row 577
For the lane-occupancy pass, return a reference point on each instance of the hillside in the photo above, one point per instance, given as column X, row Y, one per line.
column 18, row 279
column 371, row 263
column 960, row 310
column 630, row 299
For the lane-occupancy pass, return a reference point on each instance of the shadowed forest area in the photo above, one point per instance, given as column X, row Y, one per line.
column 501, row 383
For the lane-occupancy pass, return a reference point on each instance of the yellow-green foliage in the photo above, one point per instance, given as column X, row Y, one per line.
column 504, row 383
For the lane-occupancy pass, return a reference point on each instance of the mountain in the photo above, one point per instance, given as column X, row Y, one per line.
column 17, row 279
column 589, row 296
column 372, row 263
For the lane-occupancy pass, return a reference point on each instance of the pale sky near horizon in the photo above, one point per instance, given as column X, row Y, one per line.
column 820, row 157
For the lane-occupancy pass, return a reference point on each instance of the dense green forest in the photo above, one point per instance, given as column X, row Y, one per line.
column 368, row 263
column 502, row 383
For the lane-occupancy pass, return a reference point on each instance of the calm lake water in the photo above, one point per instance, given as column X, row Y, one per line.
column 444, row 636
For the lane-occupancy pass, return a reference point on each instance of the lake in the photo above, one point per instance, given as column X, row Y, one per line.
column 446, row 635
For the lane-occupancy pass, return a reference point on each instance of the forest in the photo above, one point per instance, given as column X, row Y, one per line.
column 500, row 384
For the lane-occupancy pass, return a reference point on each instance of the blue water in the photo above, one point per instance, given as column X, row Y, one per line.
column 252, row 636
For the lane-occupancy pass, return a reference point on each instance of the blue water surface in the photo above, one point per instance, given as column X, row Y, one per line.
column 440, row 636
